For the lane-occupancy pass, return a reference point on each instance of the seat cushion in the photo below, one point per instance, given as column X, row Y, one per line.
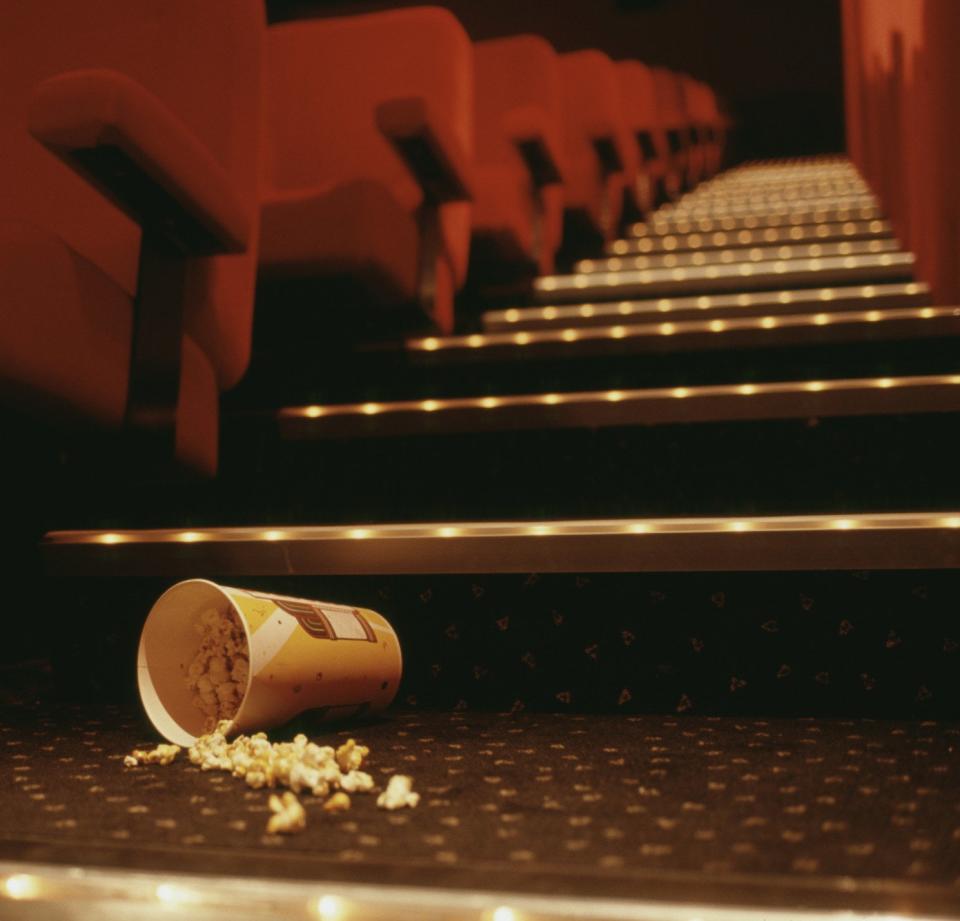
column 356, row 228
column 66, row 331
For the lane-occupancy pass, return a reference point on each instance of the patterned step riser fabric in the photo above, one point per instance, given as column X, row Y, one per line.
column 871, row 644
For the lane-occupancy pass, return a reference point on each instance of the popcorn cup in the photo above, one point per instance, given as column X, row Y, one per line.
column 303, row 655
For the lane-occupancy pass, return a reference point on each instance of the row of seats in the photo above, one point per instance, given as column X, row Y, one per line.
column 903, row 123
column 164, row 161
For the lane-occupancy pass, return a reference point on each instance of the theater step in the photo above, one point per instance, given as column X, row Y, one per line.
column 722, row 306
column 780, row 217
column 739, row 255
column 709, row 279
column 826, row 232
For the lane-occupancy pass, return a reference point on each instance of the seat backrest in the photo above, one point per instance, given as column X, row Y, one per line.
column 639, row 97
column 592, row 108
column 513, row 73
column 324, row 81
column 202, row 61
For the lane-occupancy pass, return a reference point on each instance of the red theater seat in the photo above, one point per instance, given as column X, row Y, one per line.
column 674, row 122
column 695, row 128
column 518, row 207
column 599, row 152
column 639, row 98
column 369, row 130
column 120, row 303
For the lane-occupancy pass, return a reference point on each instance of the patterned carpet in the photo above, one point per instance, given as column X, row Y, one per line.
column 584, row 801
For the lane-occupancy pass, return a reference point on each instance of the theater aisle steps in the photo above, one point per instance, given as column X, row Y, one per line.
column 830, row 394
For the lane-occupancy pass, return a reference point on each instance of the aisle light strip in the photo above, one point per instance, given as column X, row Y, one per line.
column 705, row 224
column 720, row 271
column 739, row 254
column 573, row 336
column 518, row 316
column 945, row 520
column 620, row 396
column 797, row 233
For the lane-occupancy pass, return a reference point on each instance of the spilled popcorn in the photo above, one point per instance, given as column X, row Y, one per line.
column 300, row 765
column 399, row 793
column 288, row 815
column 162, row 754
column 217, row 676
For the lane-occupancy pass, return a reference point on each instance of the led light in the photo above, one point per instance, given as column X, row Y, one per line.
column 755, row 254
column 190, row 537
column 313, row 412
column 448, row 532
column 746, row 270
column 430, row 344
column 620, row 247
column 821, row 319
column 886, row 259
column 359, row 533
column 694, row 241
column 815, row 386
column 273, row 535
column 667, row 329
column 744, row 300
column 580, row 281
column 680, row 392
column 912, row 288
column 639, row 527
column 503, row 913
column 873, row 316
column 587, row 310
column 549, row 313
column 664, row 305
column 678, row 274
column 538, row 530
column 814, row 265
column 173, row 895
column 646, row 245
column 489, row 402
column 720, row 239
column 928, row 313
column 429, row 406
column 371, row 409
column 22, row 886
column 884, row 382
column 950, row 522
column 717, row 326
column 739, row 526
column 111, row 538
column 329, row 908
column 587, row 265
column 769, row 322
column 512, row 315
column 785, row 252
column 569, row 335
column 614, row 264
column 669, row 261
column 823, row 231
column 614, row 396
column 618, row 332
column 876, row 226
column 703, row 302
column 843, row 524
column 779, row 267
column 875, row 246
column 551, row 399
column 796, row 233
column 868, row 291
column 747, row 390
column 521, row 338
column 826, row 294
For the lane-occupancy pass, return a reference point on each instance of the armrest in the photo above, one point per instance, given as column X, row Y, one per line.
column 528, row 128
column 427, row 147
column 128, row 144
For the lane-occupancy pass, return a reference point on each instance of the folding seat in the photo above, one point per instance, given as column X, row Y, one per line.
column 369, row 130
column 639, row 97
column 127, row 202
column 673, row 119
column 598, row 151
column 518, row 200
column 696, row 148
column 706, row 127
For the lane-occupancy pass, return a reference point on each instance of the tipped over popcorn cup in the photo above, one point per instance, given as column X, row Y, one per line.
column 210, row 652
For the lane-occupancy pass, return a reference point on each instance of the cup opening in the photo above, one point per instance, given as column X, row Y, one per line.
column 169, row 642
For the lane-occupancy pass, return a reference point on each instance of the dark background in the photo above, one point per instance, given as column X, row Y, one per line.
column 777, row 63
